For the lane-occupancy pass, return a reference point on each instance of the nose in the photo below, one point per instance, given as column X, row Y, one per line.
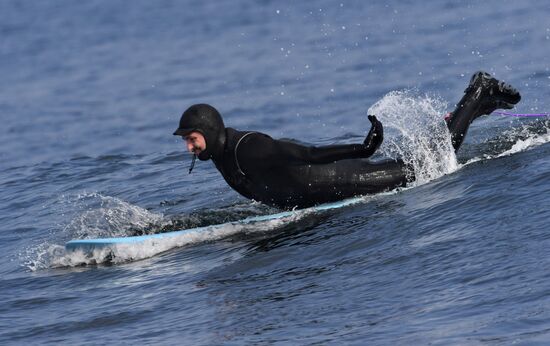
column 189, row 146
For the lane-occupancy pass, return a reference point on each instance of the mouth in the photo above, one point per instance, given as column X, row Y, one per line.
column 196, row 150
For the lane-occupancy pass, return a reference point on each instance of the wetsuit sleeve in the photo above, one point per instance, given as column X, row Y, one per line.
column 325, row 154
column 266, row 151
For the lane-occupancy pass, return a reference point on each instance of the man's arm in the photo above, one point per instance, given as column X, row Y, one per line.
column 331, row 153
column 265, row 151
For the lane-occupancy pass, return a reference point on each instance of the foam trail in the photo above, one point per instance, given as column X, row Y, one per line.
column 417, row 133
column 521, row 140
column 530, row 142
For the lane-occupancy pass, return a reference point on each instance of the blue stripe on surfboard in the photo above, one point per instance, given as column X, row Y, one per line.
column 90, row 244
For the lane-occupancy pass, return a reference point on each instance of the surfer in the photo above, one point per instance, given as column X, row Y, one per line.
column 287, row 175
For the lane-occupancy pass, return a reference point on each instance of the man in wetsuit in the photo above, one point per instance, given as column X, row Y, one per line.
column 287, row 175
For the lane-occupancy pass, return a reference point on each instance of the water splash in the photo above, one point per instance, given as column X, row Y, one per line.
column 415, row 131
column 93, row 215
column 105, row 216
column 90, row 215
column 43, row 256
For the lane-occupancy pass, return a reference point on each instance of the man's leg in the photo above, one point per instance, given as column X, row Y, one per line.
column 342, row 179
column 483, row 95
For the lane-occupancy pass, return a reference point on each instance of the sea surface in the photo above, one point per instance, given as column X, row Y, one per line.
column 91, row 92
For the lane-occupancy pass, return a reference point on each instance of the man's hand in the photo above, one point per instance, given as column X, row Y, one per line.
column 375, row 136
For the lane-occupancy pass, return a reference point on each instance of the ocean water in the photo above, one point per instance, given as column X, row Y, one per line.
column 92, row 91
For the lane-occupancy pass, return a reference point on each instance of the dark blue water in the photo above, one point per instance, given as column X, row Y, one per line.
column 91, row 92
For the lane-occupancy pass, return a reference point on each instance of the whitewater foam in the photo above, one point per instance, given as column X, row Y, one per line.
column 521, row 139
column 528, row 143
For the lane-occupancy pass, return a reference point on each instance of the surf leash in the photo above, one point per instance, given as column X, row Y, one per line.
column 522, row 114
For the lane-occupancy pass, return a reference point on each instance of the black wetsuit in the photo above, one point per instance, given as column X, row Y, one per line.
column 288, row 175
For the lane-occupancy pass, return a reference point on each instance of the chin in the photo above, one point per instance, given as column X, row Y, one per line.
column 203, row 156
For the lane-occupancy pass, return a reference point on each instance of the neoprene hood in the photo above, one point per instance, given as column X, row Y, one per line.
column 207, row 120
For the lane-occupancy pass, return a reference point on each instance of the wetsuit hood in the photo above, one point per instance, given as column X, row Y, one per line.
column 207, row 120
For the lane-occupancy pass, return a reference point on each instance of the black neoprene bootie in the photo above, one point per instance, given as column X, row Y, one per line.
column 484, row 95
column 492, row 93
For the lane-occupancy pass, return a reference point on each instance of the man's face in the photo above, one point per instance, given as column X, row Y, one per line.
column 195, row 142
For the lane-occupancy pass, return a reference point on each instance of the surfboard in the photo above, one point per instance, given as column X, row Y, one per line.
column 150, row 244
